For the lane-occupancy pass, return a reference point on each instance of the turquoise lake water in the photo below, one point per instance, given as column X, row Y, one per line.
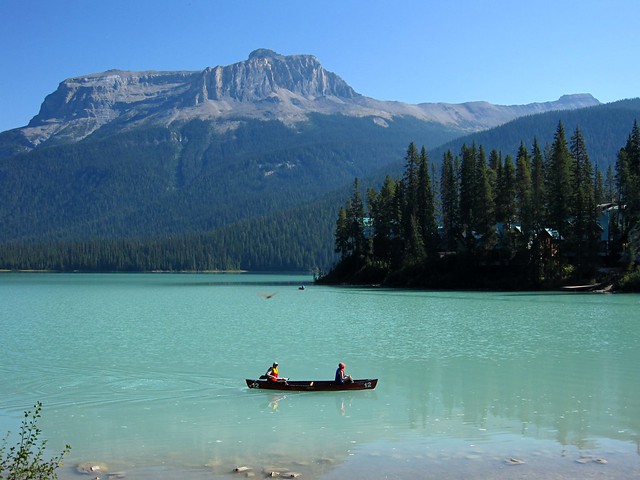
column 144, row 374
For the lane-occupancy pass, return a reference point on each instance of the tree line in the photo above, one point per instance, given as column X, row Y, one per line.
column 550, row 216
column 293, row 240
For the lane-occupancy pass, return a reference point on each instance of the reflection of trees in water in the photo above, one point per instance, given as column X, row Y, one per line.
column 573, row 398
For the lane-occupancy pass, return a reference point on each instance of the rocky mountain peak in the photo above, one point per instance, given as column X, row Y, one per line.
column 267, row 75
column 263, row 53
column 266, row 86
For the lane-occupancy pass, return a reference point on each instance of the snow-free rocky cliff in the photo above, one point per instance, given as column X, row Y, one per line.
column 266, row 86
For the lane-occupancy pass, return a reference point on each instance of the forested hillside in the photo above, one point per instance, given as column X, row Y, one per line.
column 190, row 178
column 192, row 197
column 299, row 239
column 260, row 197
column 604, row 127
column 537, row 220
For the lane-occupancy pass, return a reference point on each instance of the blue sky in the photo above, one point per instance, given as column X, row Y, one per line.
column 502, row 51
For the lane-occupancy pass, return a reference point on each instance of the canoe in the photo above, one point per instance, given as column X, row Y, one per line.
column 313, row 385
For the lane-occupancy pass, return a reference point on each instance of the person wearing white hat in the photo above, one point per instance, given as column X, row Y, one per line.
column 272, row 373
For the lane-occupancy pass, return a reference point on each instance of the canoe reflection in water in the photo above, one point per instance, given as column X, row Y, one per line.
column 343, row 403
column 275, row 401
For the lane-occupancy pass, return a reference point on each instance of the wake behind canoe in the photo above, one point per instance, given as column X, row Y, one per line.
column 313, row 385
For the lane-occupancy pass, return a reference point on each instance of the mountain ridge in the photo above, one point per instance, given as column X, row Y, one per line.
column 266, row 86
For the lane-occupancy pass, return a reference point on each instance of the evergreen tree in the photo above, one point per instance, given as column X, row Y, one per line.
column 407, row 198
column 428, row 228
column 355, row 222
column 495, row 167
column 343, row 246
column 632, row 200
column 506, row 194
column 598, row 188
column 524, row 195
column 624, row 183
column 435, row 189
column 614, row 243
column 411, row 180
column 483, row 208
column 610, row 186
column 628, row 186
column 495, row 161
column 415, row 253
column 449, row 200
column 403, row 226
column 468, row 191
column 384, row 219
column 538, row 213
column 559, row 183
column 582, row 236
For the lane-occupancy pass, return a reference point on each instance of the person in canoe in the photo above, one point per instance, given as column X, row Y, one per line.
column 272, row 374
column 341, row 376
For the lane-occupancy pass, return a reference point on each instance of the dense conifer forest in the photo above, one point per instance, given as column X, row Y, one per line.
column 293, row 240
column 546, row 218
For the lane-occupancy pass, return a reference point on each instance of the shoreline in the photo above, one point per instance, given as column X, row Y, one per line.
column 400, row 459
column 5, row 270
column 602, row 287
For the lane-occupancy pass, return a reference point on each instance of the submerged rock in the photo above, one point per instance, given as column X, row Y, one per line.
column 585, row 460
column 91, row 467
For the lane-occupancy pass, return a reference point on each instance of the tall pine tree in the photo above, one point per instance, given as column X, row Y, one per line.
column 384, row 219
column 484, row 222
column 449, row 201
column 426, row 206
column 468, row 192
column 582, row 236
column 524, row 195
column 559, row 183
column 355, row 222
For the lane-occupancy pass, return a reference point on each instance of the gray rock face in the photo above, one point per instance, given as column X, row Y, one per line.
column 266, row 86
column 265, row 73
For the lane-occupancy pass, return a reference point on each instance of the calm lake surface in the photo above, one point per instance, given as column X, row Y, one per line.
column 144, row 374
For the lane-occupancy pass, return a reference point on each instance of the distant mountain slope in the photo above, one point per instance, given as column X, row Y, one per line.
column 605, row 129
column 192, row 177
column 266, row 86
